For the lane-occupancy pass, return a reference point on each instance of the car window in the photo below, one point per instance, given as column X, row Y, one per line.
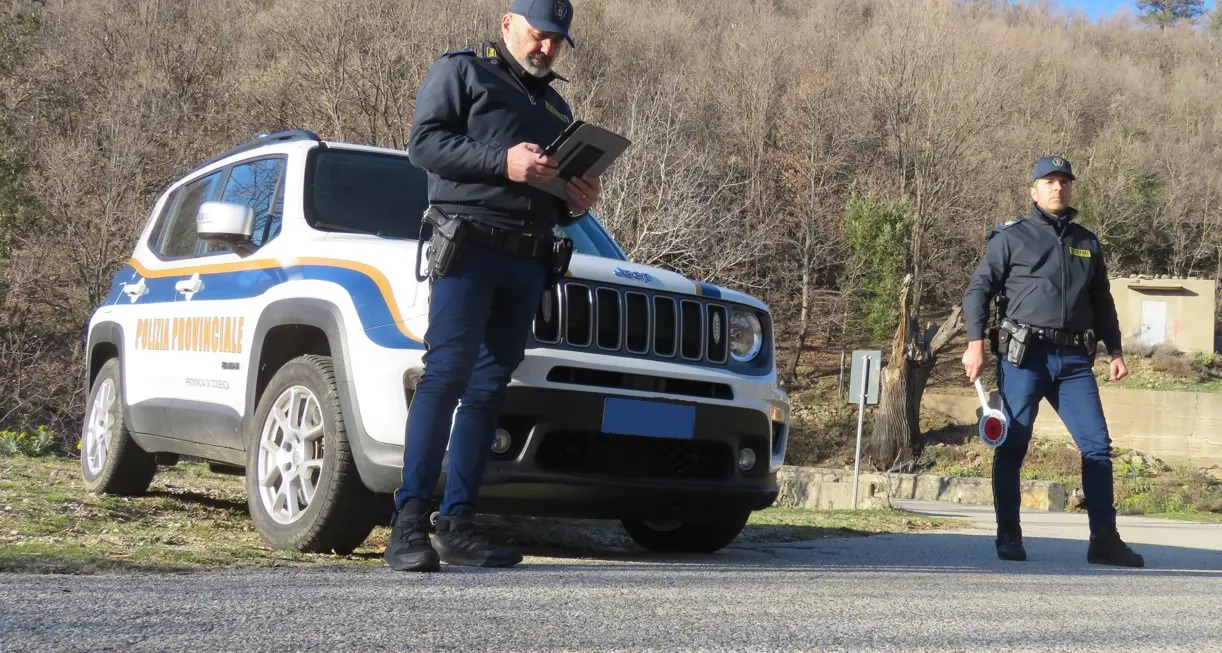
column 166, row 210
column 257, row 184
column 386, row 194
column 179, row 239
column 365, row 192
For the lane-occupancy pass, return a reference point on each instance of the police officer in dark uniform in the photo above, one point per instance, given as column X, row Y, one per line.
column 1054, row 302
column 483, row 118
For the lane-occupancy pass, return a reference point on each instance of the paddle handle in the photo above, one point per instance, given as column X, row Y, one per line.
column 984, row 400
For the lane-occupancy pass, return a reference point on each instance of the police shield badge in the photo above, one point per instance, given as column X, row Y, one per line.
column 993, row 426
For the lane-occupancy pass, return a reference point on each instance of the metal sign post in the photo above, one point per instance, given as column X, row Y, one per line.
column 863, row 389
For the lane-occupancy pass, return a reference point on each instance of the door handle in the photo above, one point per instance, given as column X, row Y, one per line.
column 135, row 290
column 190, row 286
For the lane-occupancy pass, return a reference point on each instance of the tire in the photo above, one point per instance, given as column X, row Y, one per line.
column 334, row 511
column 111, row 462
column 685, row 537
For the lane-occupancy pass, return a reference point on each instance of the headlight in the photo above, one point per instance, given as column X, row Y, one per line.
column 746, row 335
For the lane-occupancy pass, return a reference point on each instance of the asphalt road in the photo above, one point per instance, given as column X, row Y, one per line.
column 926, row 592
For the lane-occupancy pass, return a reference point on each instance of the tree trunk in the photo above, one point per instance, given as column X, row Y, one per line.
column 803, row 323
column 897, row 431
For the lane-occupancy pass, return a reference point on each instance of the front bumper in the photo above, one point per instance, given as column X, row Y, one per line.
column 561, row 464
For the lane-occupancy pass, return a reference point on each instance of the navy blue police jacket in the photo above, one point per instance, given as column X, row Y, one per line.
column 1051, row 272
column 472, row 107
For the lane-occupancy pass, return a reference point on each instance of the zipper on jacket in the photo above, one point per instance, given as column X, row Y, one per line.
column 1064, row 279
column 523, row 86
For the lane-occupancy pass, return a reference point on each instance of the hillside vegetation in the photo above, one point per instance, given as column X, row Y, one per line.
column 809, row 152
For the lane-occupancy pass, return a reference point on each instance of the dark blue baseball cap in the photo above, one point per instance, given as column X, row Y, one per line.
column 1050, row 164
column 546, row 15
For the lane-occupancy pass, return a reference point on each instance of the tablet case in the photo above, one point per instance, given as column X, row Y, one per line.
column 581, row 149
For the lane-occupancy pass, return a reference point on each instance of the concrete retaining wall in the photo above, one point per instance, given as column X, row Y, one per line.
column 832, row 489
column 829, row 489
column 1184, row 427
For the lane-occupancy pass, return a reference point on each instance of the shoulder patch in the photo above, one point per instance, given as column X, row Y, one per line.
column 1006, row 225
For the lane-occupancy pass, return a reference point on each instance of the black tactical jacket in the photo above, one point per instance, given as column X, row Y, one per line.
column 473, row 106
column 1051, row 273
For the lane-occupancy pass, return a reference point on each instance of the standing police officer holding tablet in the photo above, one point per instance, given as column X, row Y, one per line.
column 483, row 118
column 1054, row 298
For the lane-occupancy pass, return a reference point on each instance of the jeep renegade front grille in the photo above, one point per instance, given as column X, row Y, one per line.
column 612, row 319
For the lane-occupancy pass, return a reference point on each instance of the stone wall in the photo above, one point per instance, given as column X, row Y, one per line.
column 832, row 489
column 1183, row 427
column 829, row 489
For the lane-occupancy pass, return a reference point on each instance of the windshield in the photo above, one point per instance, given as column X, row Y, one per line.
column 589, row 237
column 386, row 195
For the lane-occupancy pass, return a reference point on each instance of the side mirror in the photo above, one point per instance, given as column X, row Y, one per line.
column 226, row 223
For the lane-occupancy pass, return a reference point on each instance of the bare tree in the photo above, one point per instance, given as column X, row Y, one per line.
column 913, row 353
column 749, row 125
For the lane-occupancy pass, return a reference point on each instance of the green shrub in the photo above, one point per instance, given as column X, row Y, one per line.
column 20, row 443
column 1205, row 359
column 877, row 234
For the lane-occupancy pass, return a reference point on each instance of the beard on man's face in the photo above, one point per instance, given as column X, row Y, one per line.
column 538, row 64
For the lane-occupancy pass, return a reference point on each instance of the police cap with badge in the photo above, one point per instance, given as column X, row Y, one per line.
column 546, row 15
column 1050, row 164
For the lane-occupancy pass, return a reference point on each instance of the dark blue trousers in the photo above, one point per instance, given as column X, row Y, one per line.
column 479, row 318
column 1063, row 376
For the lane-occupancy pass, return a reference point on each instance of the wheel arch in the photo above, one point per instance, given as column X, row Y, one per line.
column 312, row 326
column 104, row 342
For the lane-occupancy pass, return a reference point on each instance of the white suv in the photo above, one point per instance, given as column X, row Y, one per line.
column 270, row 321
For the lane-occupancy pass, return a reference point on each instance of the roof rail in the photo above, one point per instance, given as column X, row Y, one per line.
column 261, row 140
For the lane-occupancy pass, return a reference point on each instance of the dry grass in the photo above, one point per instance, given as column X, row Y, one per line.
column 1143, row 485
column 1165, row 368
column 194, row 519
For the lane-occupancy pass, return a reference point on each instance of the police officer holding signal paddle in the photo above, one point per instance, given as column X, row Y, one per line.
column 1054, row 301
column 484, row 117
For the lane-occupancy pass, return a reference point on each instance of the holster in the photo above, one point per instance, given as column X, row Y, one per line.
column 562, row 254
column 1013, row 342
column 446, row 246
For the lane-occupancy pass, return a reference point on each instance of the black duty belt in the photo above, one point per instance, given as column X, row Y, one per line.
column 511, row 242
column 1061, row 336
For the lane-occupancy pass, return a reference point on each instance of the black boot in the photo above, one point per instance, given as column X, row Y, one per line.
column 1106, row 548
column 1010, row 543
column 459, row 543
column 409, row 548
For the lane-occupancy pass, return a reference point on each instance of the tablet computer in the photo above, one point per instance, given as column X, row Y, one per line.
column 581, row 149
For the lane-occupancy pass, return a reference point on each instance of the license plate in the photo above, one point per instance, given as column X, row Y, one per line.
column 655, row 419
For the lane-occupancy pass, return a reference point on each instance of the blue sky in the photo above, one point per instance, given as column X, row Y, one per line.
column 1100, row 8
